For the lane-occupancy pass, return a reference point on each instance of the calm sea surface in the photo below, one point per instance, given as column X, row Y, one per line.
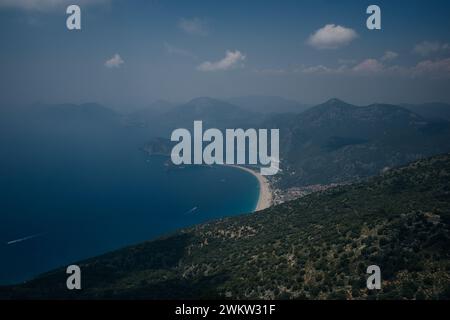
column 68, row 194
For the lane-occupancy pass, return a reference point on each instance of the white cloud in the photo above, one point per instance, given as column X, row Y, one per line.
column 434, row 68
column 45, row 5
column 332, row 36
column 369, row 66
column 365, row 67
column 389, row 56
column 439, row 68
column 427, row 48
column 194, row 26
column 115, row 62
column 230, row 61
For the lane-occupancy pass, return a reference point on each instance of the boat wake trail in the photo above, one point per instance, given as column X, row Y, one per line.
column 191, row 211
column 24, row 239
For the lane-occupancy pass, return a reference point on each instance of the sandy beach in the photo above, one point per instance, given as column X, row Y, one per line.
column 265, row 193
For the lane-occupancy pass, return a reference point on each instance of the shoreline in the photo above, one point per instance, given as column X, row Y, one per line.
column 265, row 199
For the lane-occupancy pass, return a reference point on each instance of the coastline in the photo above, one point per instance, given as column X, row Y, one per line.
column 265, row 199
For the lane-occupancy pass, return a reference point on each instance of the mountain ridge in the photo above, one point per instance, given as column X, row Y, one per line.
column 337, row 142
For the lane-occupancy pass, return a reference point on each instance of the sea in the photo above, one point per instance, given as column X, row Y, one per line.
column 74, row 190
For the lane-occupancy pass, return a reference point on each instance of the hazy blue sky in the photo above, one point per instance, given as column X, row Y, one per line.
column 130, row 53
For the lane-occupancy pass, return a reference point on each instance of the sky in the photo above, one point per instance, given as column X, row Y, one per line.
column 131, row 53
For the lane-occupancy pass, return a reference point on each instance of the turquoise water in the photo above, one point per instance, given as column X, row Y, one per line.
column 70, row 194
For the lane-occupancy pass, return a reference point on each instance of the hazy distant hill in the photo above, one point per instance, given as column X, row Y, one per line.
column 338, row 142
column 317, row 247
column 333, row 142
column 432, row 111
column 146, row 116
column 164, row 117
column 214, row 114
column 268, row 104
column 157, row 107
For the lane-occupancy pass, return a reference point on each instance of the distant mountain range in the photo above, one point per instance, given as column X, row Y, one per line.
column 316, row 247
column 334, row 142
column 268, row 104
column 338, row 142
column 214, row 113
column 235, row 112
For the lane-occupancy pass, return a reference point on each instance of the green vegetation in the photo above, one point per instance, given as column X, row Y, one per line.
column 317, row 247
column 336, row 142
